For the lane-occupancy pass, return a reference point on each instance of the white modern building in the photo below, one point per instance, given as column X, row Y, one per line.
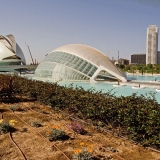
column 152, row 44
column 10, row 53
column 77, row 62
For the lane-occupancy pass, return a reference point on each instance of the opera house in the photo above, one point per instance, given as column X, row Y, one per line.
column 10, row 53
column 77, row 62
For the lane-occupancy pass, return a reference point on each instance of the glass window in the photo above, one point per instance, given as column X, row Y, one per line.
column 83, row 65
column 56, row 63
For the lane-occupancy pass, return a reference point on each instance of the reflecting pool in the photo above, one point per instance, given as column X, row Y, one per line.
column 126, row 90
column 144, row 77
column 118, row 91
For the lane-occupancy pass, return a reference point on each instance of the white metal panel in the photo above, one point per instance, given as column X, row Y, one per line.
column 92, row 55
column 5, row 52
column 20, row 54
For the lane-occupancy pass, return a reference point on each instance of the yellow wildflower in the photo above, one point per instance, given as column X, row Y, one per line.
column 1, row 120
column 12, row 122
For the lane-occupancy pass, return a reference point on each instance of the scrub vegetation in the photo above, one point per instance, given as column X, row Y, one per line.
column 140, row 68
column 135, row 117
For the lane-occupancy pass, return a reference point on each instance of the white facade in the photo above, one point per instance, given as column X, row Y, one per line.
column 152, row 44
column 77, row 62
column 10, row 52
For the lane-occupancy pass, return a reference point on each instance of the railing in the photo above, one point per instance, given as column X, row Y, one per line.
column 18, row 66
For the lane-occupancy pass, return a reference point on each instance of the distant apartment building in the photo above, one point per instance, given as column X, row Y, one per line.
column 152, row 44
column 138, row 59
column 123, row 61
column 158, row 57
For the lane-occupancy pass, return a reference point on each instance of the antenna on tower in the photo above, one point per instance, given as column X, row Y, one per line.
column 108, row 54
column 118, row 57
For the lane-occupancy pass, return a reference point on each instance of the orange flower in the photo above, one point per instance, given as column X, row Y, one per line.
column 90, row 145
column 75, row 151
column 48, row 125
column 55, row 127
column 79, row 150
column 89, row 150
column 82, row 144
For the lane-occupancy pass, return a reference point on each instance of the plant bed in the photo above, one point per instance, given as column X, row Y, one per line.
column 32, row 144
column 136, row 116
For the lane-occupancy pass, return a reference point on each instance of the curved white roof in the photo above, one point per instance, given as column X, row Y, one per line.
column 12, row 41
column 9, row 48
column 92, row 55
column 20, row 54
column 5, row 52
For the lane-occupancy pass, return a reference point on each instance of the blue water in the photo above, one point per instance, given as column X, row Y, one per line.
column 118, row 91
column 144, row 78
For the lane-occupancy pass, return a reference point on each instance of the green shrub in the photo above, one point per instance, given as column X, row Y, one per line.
column 136, row 117
column 6, row 127
column 35, row 124
column 84, row 153
column 15, row 107
column 55, row 134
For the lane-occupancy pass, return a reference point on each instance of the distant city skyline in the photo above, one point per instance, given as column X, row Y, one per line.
column 107, row 25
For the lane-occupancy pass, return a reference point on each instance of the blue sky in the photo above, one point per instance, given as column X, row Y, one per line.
column 107, row 25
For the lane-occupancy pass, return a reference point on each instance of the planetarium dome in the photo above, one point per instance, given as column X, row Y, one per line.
column 77, row 62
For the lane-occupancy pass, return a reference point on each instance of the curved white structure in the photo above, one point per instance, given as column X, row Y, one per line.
column 10, row 52
column 77, row 62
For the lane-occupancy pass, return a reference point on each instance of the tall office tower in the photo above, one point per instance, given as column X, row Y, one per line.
column 152, row 44
column 158, row 57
